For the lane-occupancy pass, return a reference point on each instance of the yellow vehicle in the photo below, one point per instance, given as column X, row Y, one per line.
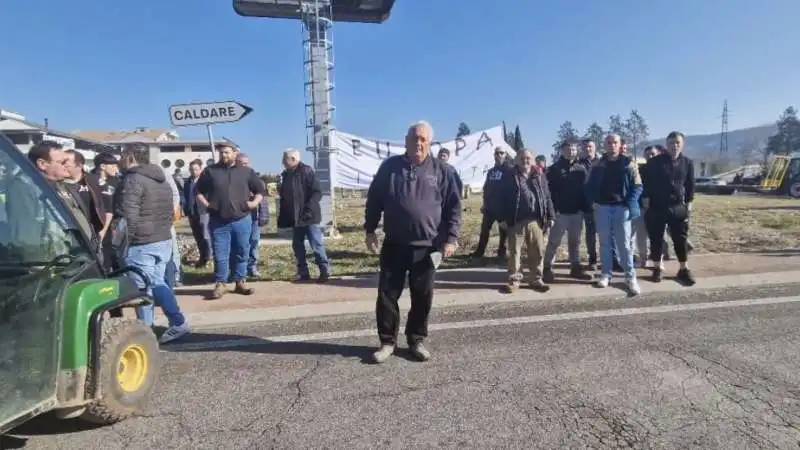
column 783, row 176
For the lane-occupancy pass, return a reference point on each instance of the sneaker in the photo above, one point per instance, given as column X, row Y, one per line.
column 547, row 275
column 539, row 286
column 685, row 277
column 602, row 282
column 383, row 353
column 219, row 291
column 253, row 273
column 302, row 278
column 633, row 286
column 174, row 332
column 420, row 352
column 243, row 288
column 657, row 275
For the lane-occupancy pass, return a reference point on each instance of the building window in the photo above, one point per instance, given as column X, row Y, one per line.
column 165, row 163
column 172, row 149
column 179, row 163
column 201, row 148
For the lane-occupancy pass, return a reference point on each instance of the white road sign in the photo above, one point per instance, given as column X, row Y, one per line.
column 207, row 113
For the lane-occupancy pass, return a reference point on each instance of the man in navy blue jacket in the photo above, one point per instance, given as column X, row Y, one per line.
column 421, row 206
column 613, row 190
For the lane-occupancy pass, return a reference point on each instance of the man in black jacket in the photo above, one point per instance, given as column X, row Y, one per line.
column 588, row 158
column 421, row 207
column 528, row 214
column 86, row 188
column 668, row 194
column 566, row 178
column 299, row 209
column 144, row 202
column 492, row 204
column 229, row 193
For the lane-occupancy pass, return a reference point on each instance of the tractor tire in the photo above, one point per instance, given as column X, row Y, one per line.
column 794, row 190
column 129, row 366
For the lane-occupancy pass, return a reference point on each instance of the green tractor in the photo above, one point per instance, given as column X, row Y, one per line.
column 62, row 351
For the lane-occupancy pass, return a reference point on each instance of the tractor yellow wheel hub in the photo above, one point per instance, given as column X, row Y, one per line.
column 132, row 368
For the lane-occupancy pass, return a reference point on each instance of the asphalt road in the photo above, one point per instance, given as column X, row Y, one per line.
column 692, row 371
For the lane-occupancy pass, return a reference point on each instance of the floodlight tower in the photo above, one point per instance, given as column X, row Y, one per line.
column 317, row 17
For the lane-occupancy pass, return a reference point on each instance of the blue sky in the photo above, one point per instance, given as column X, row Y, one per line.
column 96, row 64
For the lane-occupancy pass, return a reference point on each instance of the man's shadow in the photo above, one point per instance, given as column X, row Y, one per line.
column 218, row 342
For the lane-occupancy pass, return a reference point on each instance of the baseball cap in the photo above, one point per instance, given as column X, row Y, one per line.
column 105, row 158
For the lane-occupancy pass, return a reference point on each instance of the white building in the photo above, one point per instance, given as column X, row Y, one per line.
column 24, row 134
column 166, row 147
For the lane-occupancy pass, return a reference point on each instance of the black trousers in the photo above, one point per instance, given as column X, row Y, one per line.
column 487, row 223
column 658, row 220
column 590, row 230
column 398, row 262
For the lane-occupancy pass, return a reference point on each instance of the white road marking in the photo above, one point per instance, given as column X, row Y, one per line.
column 579, row 315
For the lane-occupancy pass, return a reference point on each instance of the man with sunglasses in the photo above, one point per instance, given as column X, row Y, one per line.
column 492, row 204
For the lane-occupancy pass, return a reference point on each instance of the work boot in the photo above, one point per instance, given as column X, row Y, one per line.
column 219, row 291
column 578, row 273
column 383, row 353
column 302, row 278
column 539, row 286
column 243, row 288
column 323, row 277
column 685, row 277
column 419, row 351
column 547, row 275
column 657, row 274
column 511, row 287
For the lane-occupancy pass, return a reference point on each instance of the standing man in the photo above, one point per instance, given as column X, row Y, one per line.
column 669, row 193
column 421, row 207
column 528, row 214
column 614, row 188
column 229, row 193
column 197, row 214
column 106, row 171
column 300, row 210
column 588, row 159
column 260, row 218
column 145, row 202
column 444, row 156
column 566, row 179
column 492, row 204
column 639, row 226
column 86, row 188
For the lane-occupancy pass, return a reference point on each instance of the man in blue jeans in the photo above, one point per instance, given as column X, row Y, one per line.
column 299, row 210
column 613, row 189
column 230, row 193
column 144, row 201
column 260, row 218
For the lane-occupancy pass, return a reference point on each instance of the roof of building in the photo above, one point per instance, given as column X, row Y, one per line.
column 10, row 124
column 138, row 135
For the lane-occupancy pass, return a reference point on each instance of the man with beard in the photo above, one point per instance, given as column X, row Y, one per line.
column 86, row 188
column 492, row 204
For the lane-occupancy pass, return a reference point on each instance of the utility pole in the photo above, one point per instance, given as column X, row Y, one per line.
column 723, row 136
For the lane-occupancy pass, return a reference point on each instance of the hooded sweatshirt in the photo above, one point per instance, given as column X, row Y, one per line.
column 144, row 200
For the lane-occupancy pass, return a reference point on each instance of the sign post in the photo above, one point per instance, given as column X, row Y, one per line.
column 191, row 114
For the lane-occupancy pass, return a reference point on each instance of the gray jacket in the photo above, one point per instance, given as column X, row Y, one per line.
column 145, row 200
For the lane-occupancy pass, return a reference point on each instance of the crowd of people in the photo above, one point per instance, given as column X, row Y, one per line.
column 616, row 201
column 628, row 206
column 132, row 206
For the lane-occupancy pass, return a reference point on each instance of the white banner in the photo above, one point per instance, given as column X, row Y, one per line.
column 357, row 159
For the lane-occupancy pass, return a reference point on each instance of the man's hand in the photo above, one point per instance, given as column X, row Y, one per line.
column 252, row 204
column 449, row 249
column 372, row 242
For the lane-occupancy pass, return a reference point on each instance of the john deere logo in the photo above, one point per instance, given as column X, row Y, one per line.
column 106, row 290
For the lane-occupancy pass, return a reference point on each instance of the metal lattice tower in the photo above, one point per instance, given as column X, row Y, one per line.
column 723, row 136
column 316, row 17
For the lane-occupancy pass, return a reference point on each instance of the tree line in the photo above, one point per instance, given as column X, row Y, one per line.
column 633, row 129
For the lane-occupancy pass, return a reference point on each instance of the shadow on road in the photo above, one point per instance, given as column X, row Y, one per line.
column 44, row 425
column 220, row 342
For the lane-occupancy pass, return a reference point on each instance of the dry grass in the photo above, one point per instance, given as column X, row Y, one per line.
column 720, row 224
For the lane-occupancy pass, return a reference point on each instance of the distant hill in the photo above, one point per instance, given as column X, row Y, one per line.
column 707, row 145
